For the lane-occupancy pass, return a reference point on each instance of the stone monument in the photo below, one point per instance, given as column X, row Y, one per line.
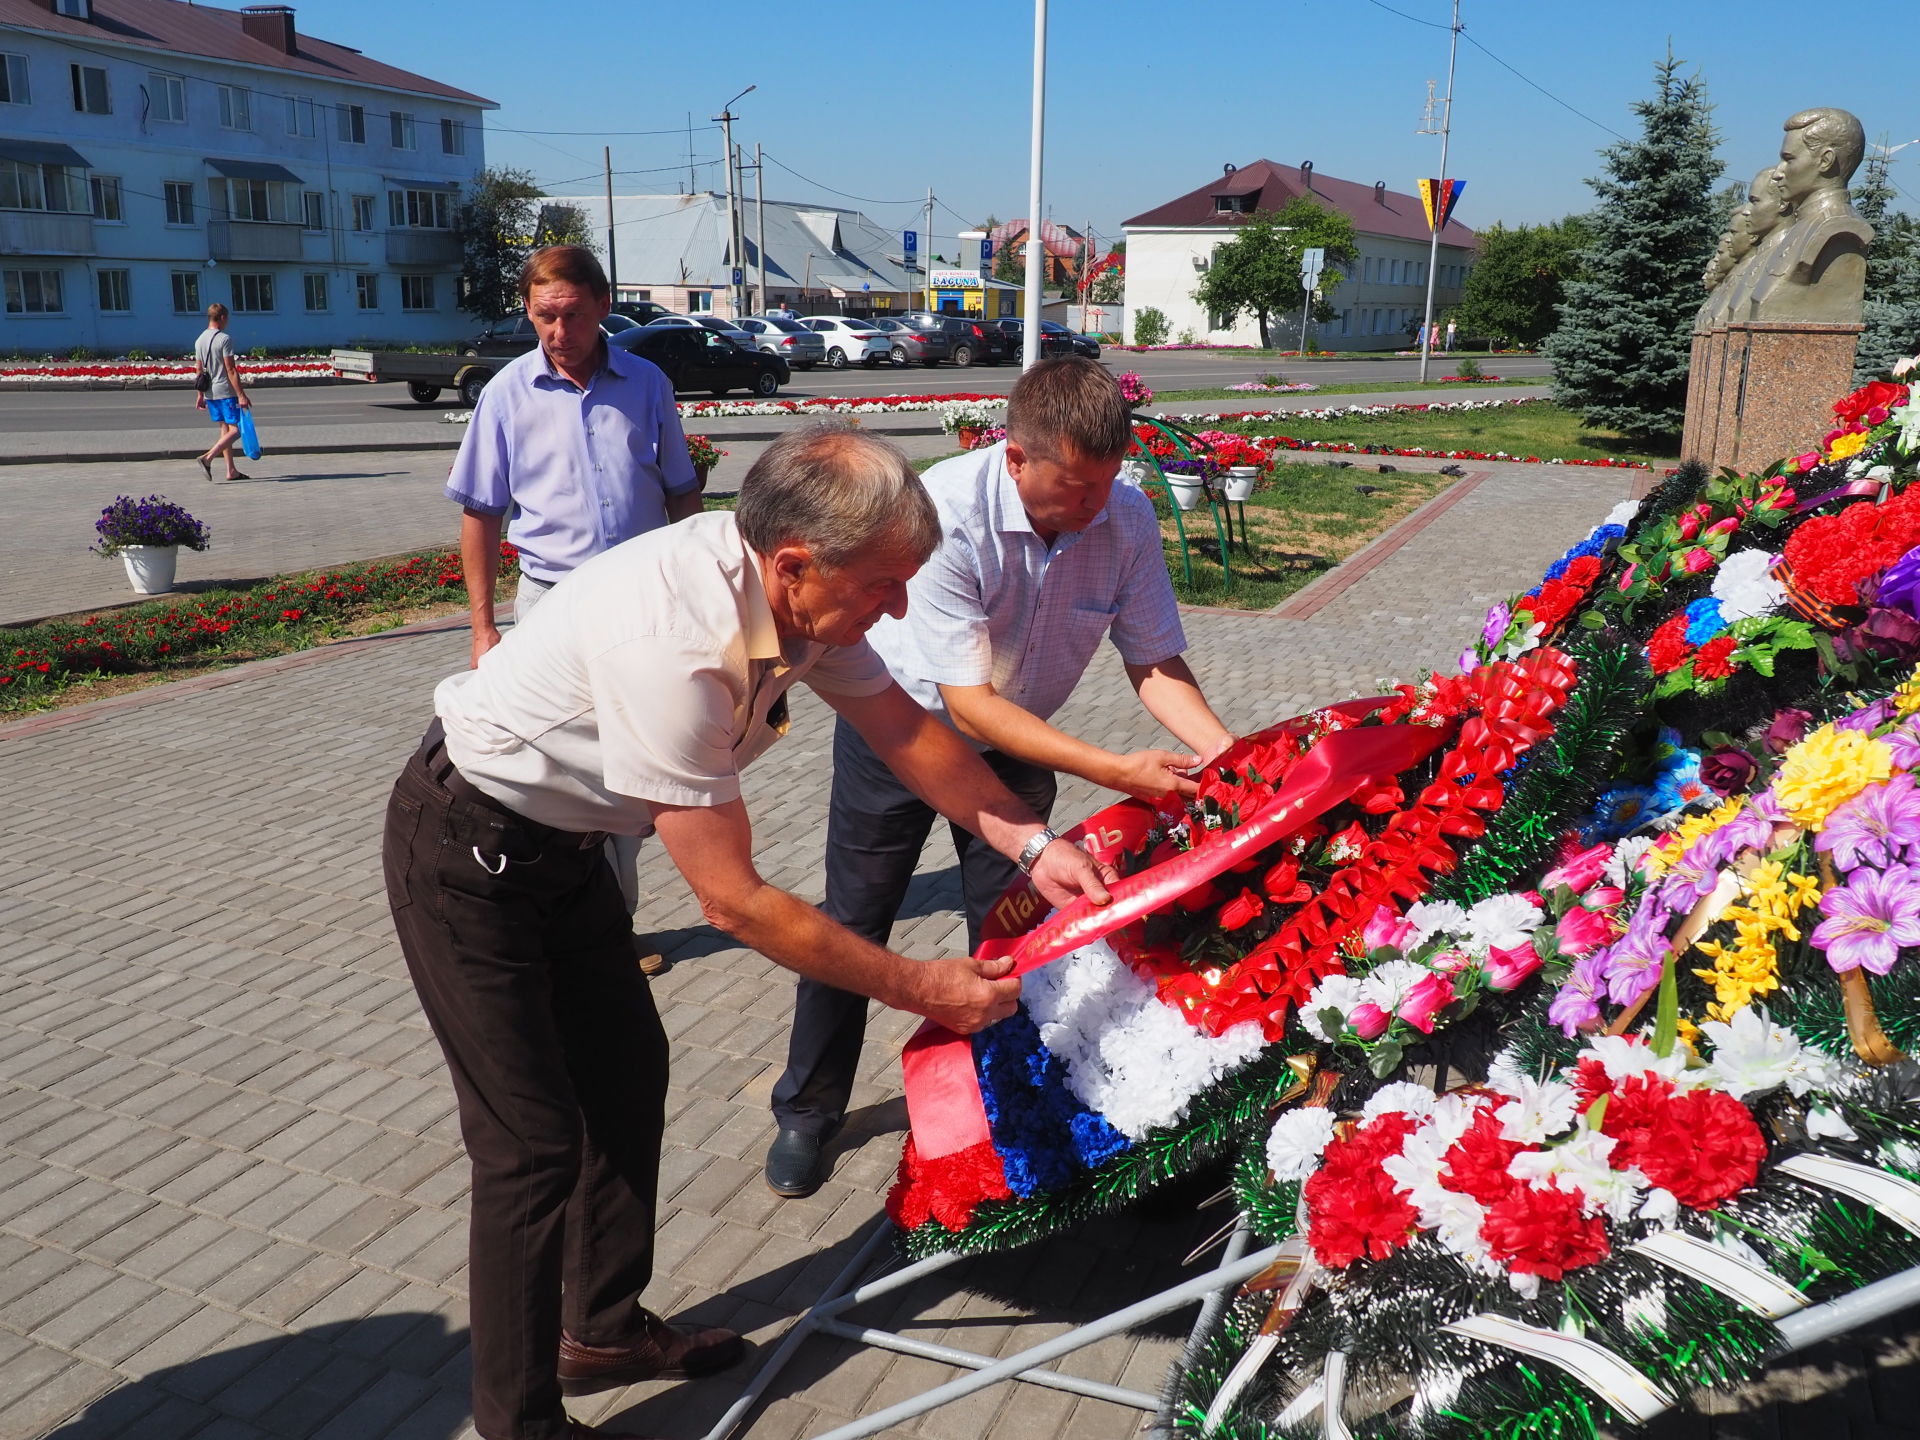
column 1774, row 341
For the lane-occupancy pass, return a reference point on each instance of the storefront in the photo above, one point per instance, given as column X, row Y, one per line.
column 965, row 292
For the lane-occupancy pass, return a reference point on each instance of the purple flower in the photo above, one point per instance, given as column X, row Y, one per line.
column 1789, row 727
column 1632, row 963
column 1869, row 919
column 1899, row 586
column 1469, row 658
column 1868, row 720
column 1728, row 769
column 1904, row 741
column 1751, row 829
column 1578, row 1003
column 1876, row 827
column 1498, row 618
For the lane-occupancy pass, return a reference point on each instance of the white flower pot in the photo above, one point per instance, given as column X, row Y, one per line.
column 150, row 567
column 1186, row 490
column 1241, row 480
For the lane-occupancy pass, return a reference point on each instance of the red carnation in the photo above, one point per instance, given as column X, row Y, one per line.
column 1477, row 1163
column 1703, row 1146
column 1353, row 1210
column 1542, row 1232
column 1667, row 647
column 1713, row 662
column 1583, row 570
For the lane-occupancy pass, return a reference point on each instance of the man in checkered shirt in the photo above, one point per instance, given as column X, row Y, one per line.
column 1042, row 555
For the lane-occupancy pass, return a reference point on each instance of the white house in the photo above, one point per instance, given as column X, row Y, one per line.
column 156, row 156
column 1170, row 247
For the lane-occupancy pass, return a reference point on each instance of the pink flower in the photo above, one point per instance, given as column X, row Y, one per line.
column 1387, row 928
column 1507, row 968
column 1696, row 560
column 1582, row 931
column 1425, row 1000
column 1806, row 462
column 1689, row 525
column 1603, row 897
column 1368, row 1020
column 1626, row 575
column 1579, row 871
column 1724, row 527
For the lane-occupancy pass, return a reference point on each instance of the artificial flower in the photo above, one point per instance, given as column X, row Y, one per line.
column 1876, row 827
column 1298, row 1140
column 1824, row 770
column 1869, row 920
column 1744, row 587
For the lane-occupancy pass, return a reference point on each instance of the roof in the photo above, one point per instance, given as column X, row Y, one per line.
column 1391, row 213
column 1060, row 240
column 174, row 27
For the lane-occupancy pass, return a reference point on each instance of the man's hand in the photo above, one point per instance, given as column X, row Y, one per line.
column 485, row 637
column 1150, row 774
column 243, row 401
column 965, row 994
column 1219, row 747
column 1066, row 872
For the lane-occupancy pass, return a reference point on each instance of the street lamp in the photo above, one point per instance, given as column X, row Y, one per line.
column 1036, row 255
column 735, row 260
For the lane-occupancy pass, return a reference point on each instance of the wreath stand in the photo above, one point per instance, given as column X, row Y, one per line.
column 1211, row 1289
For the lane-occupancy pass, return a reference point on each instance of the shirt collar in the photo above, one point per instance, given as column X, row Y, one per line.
column 1012, row 517
column 609, row 366
column 763, row 640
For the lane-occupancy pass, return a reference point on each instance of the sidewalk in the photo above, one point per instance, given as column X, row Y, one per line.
column 232, row 1199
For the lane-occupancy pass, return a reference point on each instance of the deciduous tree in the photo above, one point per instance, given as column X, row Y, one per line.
column 505, row 218
column 1258, row 271
column 1518, row 279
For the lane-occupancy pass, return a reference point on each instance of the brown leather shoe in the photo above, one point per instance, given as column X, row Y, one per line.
column 664, row 1352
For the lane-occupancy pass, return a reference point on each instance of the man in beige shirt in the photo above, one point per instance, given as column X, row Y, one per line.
column 628, row 702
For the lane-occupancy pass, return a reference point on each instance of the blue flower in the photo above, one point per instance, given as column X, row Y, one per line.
column 1618, row 812
column 1704, row 621
column 1044, row 1136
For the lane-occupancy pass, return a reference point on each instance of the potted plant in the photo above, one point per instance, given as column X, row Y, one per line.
column 1190, row 479
column 1244, row 462
column 966, row 422
column 147, row 536
column 705, row 455
column 1134, row 390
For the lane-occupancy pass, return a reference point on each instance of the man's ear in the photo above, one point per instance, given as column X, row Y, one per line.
column 1016, row 457
column 1829, row 161
column 790, row 563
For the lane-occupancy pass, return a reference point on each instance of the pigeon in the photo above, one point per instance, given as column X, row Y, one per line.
column 1451, row 470
column 1367, row 489
column 1341, row 464
column 1389, row 469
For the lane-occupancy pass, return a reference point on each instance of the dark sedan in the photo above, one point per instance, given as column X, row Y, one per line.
column 699, row 359
column 929, row 347
column 1051, row 344
column 1082, row 344
column 515, row 335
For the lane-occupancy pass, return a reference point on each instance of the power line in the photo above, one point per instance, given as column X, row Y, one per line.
column 863, row 199
column 1432, row 24
column 1541, row 88
column 597, row 134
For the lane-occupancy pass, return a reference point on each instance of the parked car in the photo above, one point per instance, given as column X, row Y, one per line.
column 979, row 342
column 695, row 358
column 789, row 339
column 849, row 340
column 1051, row 344
column 514, row 335
column 708, row 322
column 643, row 312
column 908, row 344
column 1082, row 344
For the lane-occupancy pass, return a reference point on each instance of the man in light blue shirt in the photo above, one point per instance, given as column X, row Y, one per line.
column 1042, row 556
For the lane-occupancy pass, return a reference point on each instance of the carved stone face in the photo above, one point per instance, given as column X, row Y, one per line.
column 1803, row 170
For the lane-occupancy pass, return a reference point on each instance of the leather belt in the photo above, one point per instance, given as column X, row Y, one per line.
column 444, row 773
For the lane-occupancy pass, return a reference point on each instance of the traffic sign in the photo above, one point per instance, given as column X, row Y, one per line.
column 910, row 242
column 1312, row 262
column 986, row 250
column 739, row 276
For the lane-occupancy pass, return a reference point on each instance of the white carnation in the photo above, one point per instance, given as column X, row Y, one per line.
column 1403, row 1095
column 1298, row 1141
column 1501, row 922
column 1435, row 917
column 1744, row 588
column 1336, row 992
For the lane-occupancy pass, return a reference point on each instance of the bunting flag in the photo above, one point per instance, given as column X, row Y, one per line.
column 1448, row 192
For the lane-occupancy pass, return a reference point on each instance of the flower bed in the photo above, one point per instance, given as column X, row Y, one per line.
column 824, row 405
column 79, row 372
column 291, row 612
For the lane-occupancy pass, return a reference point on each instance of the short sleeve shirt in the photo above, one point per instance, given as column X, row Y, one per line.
column 997, row 605
column 654, row 674
column 211, row 351
column 581, row 470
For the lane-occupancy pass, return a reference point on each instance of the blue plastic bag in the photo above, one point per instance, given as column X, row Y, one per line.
column 249, row 437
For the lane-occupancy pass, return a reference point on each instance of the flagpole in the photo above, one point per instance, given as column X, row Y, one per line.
column 1437, row 212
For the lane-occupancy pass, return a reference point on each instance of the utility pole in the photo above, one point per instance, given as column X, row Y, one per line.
column 689, row 152
column 1439, row 200
column 734, row 258
column 760, row 221
column 613, row 265
column 926, row 250
column 1036, row 254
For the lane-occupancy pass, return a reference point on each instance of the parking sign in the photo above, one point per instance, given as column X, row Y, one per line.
column 910, row 242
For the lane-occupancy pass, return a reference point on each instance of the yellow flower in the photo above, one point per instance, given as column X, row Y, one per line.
column 1806, row 890
column 1827, row 769
column 1672, row 846
column 1906, row 695
column 1847, row 446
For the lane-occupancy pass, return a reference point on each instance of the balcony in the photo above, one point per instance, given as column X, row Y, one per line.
column 255, row 240
column 438, row 248
column 43, row 232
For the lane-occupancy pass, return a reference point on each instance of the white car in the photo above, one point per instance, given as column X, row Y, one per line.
column 848, row 340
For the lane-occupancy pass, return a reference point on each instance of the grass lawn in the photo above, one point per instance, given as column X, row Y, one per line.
column 1302, row 521
column 1253, row 399
column 1536, row 429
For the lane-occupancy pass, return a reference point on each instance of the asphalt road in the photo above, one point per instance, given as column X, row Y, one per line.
column 354, row 403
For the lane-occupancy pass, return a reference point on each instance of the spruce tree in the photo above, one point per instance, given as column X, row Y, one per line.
column 1892, row 310
column 1621, row 352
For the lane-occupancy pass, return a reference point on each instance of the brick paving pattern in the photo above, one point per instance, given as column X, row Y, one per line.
column 232, row 1197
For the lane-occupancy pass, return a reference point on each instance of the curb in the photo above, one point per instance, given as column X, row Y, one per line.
column 1303, row 604
column 159, row 382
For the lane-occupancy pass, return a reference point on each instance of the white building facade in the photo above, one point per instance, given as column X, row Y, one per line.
column 1378, row 305
column 157, row 156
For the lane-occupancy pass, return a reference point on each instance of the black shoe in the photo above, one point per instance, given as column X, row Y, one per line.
column 796, row 1164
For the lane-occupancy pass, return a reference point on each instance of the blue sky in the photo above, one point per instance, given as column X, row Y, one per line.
column 1147, row 98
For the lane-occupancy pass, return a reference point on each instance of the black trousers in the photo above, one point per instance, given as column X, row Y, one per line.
column 876, row 828
column 520, row 946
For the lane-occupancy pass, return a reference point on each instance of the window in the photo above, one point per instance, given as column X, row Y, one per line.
column 262, row 201
column 363, row 212
column 14, row 89
column 236, row 107
column 179, row 202
column 350, row 123
column 166, row 97
column 43, row 187
column 416, row 292
column 32, row 292
column 74, row 9
column 105, row 191
column 366, row 291
column 1217, row 320
column 116, row 291
column 453, row 137
column 300, row 116
column 699, row 302
column 90, row 91
column 186, row 292
column 313, row 210
column 252, row 292
column 315, row 287
column 420, row 209
column 400, row 125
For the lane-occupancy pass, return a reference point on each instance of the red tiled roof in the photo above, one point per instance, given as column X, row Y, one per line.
column 1392, row 213
column 172, row 26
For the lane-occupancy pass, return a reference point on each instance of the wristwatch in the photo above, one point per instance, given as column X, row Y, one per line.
column 1029, row 855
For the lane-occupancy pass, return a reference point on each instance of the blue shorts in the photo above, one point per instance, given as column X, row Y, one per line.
column 223, row 412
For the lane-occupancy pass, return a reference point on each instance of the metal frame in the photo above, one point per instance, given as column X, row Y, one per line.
column 1179, row 435
column 823, row 1318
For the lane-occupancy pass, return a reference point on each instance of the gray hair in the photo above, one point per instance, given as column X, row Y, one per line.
column 838, row 492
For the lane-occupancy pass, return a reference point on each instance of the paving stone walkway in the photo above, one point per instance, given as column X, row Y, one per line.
column 232, row 1198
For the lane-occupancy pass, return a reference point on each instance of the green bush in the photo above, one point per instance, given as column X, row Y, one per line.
column 1150, row 327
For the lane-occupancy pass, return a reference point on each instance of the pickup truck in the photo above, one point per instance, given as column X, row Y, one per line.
column 425, row 375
